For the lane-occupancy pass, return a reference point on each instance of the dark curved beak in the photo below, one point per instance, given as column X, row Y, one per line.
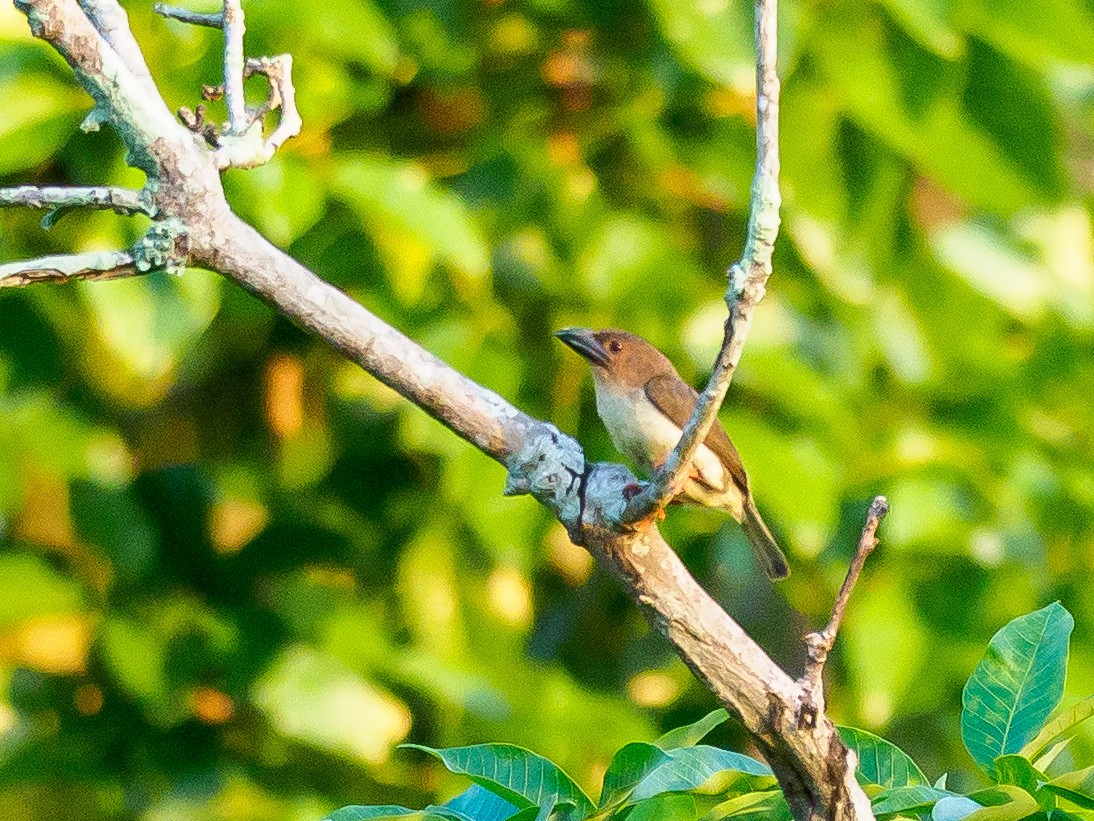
column 583, row 341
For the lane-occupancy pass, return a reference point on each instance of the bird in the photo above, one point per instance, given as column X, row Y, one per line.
column 645, row 405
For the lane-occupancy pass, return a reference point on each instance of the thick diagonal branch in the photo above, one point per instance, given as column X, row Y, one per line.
column 747, row 277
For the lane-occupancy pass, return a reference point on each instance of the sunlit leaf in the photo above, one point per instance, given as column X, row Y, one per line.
column 1063, row 726
column 912, row 799
column 691, row 734
column 517, row 775
column 1017, row 684
column 629, row 766
column 881, row 762
column 700, row 769
column 1077, row 786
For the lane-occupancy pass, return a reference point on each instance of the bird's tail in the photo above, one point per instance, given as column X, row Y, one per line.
column 769, row 556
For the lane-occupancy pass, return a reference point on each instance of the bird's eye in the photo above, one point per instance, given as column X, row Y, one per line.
column 615, row 346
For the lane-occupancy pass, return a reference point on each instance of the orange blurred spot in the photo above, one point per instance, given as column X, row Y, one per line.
column 563, row 148
column 235, row 522
column 88, row 699
column 44, row 518
column 576, row 38
column 560, row 69
column 451, row 111
column 932, row 207
column 285, row 395
column 211, row 706
column 685, row 184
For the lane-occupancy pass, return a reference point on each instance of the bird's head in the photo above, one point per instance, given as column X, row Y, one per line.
column 616, row 357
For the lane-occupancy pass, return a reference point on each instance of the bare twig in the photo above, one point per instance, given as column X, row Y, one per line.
column 747, row 277
column 819, row 645
column 66, row 267
column 121, row 200
column 194, row 18
column 278, row 70
column 234, row 28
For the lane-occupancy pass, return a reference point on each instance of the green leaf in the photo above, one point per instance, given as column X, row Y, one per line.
column 881, row 762
column 1076, row 786
column 1016, row 770
column 907, row 800
column 953, row 808
column 1063, row 726
column 629, row 766
column 691, row 734
column 376, row 813
column 700, row 769
column 763, row 806
column 1003, row 803
column 29, row 587
column 517, row 775
column 482, row 805
column 664, row 808
column 1016, row 685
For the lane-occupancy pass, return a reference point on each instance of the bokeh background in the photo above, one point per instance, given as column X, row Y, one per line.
column 236, row 571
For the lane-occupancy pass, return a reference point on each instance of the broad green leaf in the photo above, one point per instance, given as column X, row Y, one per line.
column 768, row 805
column 629, row 766
column 664, row 808
column 1016, row 770
column 375, row 813
column 1077, row 787
column 911, row 799
column 691, row 734
column 700, row 769
column 1016, row 685
column 881, row 762
column 1063, row 726
column 482, row 805
column 517, row 775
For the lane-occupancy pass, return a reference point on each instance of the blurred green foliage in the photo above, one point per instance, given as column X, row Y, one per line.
column 236, row 571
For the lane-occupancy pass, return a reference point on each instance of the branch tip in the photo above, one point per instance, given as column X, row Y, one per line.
column 819, row 644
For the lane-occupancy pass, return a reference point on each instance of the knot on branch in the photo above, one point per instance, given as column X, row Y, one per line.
column 609, row 489
column 165, row 247
column 550, row 466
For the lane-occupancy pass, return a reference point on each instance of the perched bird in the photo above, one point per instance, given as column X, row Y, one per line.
column 645, row 405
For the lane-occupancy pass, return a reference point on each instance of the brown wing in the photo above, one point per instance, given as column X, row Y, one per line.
column 676, row 399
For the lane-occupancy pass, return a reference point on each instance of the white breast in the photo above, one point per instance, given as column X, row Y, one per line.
column 639, row 430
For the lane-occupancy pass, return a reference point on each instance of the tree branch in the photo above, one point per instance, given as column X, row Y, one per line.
column 819, row 645
column 99, row 265
column 120, row 200
column 194, row 18
column 747, row 277
column 194, row 224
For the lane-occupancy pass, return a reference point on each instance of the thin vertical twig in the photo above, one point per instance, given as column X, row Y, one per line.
column 747, row 277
